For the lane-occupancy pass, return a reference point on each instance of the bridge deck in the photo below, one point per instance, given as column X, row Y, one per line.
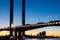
column 32, row 26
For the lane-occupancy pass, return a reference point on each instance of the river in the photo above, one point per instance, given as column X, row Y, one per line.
column 41, row 39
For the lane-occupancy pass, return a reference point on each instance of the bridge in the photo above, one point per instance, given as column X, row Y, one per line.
column 24, row 27
column 33, row 26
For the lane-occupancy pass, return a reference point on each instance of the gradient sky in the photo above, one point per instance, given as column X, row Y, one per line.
column 36, row 11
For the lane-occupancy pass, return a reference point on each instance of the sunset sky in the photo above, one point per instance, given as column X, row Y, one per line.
column 36, row 11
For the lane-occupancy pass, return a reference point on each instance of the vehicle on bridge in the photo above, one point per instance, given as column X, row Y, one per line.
column 55, row 21
column 40, row 22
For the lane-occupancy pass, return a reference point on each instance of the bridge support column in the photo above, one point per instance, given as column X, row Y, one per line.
column 11, row 18
column 19, row 35
column 15, row 35
column 23, row 33
column 23, row 15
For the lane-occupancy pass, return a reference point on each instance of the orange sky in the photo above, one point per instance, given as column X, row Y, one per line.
column 54, row 32
column 47, row 34
column 3, row 33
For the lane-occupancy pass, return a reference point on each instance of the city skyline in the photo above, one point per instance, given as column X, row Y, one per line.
column 34, row 13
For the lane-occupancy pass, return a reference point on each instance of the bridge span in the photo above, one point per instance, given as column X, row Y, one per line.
column 33, row 26
column 26, row 27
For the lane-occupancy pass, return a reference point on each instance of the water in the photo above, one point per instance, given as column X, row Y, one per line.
column 42, row 39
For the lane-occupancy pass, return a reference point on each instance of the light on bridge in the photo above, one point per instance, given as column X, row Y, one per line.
column 12, row 25
column 53, row 22
column 43, row 24
column 39, row 25
column 59, row 22
column 50, row 23
column 36, row 24
column 33, row 25
column 24, row 26
column 56, row 22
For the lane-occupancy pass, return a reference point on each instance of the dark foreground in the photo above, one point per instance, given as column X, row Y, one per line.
column 8, row 38
column 4, row 37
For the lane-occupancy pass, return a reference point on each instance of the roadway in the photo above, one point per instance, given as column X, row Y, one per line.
column 33, row 26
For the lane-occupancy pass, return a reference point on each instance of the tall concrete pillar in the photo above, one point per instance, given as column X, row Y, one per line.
column 15, row 35
column 23, row 14
column 19, row 35
column 11, row 17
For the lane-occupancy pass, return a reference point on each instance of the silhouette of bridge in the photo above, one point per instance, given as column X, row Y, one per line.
column 33, row 26
column 24, row 27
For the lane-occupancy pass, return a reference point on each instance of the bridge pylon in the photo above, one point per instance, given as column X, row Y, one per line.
column 23, row 15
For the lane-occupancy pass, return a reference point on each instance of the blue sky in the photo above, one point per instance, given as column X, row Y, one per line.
column 36, row 11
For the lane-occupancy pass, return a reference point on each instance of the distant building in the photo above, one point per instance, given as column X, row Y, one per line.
column 42, row 34
column 38, row 35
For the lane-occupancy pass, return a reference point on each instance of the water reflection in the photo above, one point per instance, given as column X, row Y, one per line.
column 40, row 39
column 35, row 39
